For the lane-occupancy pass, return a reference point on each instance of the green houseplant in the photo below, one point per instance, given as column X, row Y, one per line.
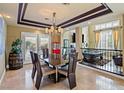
column 16, row 46
column 15, row 56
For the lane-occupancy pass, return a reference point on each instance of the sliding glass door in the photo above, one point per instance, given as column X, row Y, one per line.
column 34, row 42
column 43, row 43
column 30, row 44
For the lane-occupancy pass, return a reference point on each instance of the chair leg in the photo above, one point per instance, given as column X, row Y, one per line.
column 72, row 80
column 38, row 81
column 33, row 72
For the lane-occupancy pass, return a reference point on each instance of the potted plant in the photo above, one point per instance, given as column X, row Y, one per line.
column 15, row 56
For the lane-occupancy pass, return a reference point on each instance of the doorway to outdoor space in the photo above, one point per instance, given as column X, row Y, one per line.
column 34, row 42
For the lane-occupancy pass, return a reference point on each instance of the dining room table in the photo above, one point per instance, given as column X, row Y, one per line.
column 55, row 62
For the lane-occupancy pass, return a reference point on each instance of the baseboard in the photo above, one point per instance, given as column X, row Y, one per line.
column 2, row 77
column 114, row 75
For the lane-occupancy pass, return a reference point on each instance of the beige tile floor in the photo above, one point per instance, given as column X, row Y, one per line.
column 87, row 79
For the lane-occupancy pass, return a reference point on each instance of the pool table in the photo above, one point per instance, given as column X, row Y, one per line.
column 92, row 56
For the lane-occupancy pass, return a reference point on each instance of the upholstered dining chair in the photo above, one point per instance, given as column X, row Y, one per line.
column 45, row 52
column 43, row 64
column 41, row 71
column 70, row 71
column 34, row 66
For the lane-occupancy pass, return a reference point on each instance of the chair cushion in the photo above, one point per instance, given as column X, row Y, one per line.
column 64, row 70
column 47, row 70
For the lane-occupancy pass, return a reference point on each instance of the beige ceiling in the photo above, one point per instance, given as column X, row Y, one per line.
column 37, row 12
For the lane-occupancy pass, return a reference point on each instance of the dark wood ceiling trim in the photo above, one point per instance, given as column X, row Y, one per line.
column 31, row 21
column 21, row 19
column 28, row 24
column 19, row 12
column 24, row 10
column 35, row 22
column 107, row 7
column 88, row 18
column 23, row 6
column 84, row 14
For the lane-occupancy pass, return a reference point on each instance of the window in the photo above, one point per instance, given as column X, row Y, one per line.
column 106, row 40
column 107, row 25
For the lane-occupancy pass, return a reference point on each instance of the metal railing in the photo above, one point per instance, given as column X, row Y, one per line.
column 109, row 60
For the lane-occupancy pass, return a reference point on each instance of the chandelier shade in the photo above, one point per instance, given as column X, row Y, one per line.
column 54, row 28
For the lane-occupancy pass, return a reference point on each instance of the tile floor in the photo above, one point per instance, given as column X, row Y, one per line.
column 87, row 79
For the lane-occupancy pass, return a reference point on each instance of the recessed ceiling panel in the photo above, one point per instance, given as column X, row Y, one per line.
column 43, row 11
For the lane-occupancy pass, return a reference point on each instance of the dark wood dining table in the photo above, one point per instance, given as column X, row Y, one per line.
column 55, row 62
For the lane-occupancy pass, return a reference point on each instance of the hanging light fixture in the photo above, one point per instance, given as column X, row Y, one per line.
column 54, row 28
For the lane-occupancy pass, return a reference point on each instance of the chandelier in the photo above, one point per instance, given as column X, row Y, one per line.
column 54, row 28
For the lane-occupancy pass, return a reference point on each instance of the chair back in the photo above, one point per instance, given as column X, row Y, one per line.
column 32, row 57
column 72, row 62
column 38, row 65
column 45, row 53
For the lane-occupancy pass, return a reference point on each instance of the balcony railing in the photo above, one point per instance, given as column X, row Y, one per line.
column 109, row 60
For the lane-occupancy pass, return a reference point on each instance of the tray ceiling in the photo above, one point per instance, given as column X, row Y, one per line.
column 66, row 15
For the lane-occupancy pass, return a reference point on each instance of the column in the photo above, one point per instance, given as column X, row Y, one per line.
column 78, row 31
column 91, row 36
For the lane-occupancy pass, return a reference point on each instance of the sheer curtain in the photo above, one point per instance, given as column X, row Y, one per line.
column 97, row 39
column 106, row 40
column 116, row 37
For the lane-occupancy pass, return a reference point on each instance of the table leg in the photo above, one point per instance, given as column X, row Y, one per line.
column 56, row 74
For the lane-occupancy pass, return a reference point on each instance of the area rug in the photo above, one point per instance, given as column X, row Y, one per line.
column 102, row 62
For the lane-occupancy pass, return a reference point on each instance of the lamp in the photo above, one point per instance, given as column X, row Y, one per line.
column 54, row 28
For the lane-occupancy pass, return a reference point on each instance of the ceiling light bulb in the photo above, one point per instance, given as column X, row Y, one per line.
column 0, row 15
column 46, row 30
column 52, row 28
column 8, row 17
column 62, row 30
column 55, row 31
column 59, row 29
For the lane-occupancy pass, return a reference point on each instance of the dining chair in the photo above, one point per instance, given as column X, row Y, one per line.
column 41, row 71
column 43, row 64
column 45, row 53
column 34, row 66
column 66, row 65
column 70, row 72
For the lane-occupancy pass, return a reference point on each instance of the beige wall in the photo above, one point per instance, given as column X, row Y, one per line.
column 91, row 36
column 2, row 57
column 14, row 32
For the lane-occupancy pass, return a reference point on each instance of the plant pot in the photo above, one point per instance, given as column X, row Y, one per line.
column 15, row 61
